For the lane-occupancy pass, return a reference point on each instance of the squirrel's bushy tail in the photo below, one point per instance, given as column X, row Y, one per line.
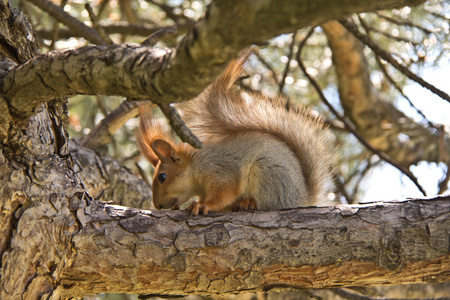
column 220, row 112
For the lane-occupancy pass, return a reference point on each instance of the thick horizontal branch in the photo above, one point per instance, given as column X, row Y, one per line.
column 171, row 253
column 129, row 71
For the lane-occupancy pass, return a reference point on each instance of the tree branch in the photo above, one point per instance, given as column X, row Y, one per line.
column 391, row 80
column 350, row 126
column 102, row 134
column 76, row 26
column 227, row 28
column 124, row 28
column 375, row 118
column 96, row 25
column 387, row 57
column 171, row 253
column 125, row 70
column 178, row 125
column 286, row 68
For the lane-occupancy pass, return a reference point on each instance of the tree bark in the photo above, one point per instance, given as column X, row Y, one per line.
column 106, row 180
column 227, row 28
column 171, row 253
column 56, row 241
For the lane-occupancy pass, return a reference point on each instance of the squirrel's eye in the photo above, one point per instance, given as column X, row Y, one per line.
column 162, row 177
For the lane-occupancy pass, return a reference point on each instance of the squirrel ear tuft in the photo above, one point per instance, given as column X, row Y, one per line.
column 164, row 150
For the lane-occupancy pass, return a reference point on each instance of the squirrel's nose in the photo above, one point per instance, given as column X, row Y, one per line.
column 160, row 206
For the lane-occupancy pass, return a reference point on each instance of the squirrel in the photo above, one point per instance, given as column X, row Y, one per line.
column 257, row 153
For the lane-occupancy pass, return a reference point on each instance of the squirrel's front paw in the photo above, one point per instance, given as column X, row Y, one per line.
column 244, row 205
column 195, row 208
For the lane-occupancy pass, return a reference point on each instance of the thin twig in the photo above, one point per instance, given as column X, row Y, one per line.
column 404, row 22
column 341, row 187
column 76, row 26
column 143, row 174
column 363, row 174
column 369, row 28
column 56, row 28
column 178, row 125
column 388, row 57
column 102, row 7
column 350, row 126
column 286, row 69
column 438, row 15
column 122, row 27
column 101, row 31
column 391, row 80
column 255, row 51
column 169, row 12
column 156, row 36
column 175, row 120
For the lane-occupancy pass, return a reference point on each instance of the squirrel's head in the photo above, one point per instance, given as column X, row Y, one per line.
column 171, row 181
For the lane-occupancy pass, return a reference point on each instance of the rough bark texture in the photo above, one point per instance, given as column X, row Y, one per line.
column 379, row 121
column 37, row 188
column 126, row 70
column 106, row 180
column 171, row 253
column 55, row 241
column 140, row 72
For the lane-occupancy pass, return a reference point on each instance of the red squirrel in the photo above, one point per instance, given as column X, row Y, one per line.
column 258, row 153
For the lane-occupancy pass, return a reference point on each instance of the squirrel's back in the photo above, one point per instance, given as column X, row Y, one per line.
column 220, row 113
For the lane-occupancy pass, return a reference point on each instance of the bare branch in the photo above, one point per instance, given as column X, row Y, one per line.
column 169, row 12
column 156, row 36
column 391, row 80
column 382, row 123
column 350, row 126
column 178, row 125
column 286, row 69
column 85, row 70
column 369, row 29
column 388, row 57
column 404, row 22
column 96, row 25
column 76, row 26
column 124, row 28
column 203, row 54
column 266, row 64
column 55, row 33
column 102, row 134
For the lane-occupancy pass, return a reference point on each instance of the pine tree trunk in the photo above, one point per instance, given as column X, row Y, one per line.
column 57, row 242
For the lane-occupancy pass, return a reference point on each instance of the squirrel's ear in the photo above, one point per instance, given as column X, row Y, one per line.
column 164, row 150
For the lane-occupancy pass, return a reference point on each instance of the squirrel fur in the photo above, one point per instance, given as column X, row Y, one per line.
column 258, row 153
